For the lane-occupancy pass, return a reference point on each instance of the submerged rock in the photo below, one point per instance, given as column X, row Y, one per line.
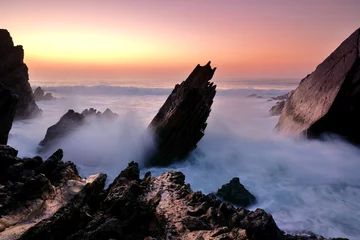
column 8, row 102
column 328, row 100
column 70, row 122
column 181, row 121
column 235, row 193
column 14, row 75
column 40, row 95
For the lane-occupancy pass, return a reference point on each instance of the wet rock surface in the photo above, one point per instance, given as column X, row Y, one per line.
column 181, row 121
column 8, row 101
column 40, row 95
column 235, row 193
column 70, row 122
column 328, row 100
column 14, row 75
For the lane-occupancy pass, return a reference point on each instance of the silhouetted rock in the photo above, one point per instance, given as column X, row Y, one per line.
column 14, row 75
column 328, row 100
column 8, row 102
column 235, row 193
column 277, row 108
column 181, row 121
column 40, row 95
column 70, row 122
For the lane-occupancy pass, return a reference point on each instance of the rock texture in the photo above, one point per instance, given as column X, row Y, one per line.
column 235, row 193
column 181, row 121
column 8, row 102
column 277, row 108
column 70, row 122
column 32, row 189
column 328, row 100
column 161, row 207
column 40, row 95
column 14, row 75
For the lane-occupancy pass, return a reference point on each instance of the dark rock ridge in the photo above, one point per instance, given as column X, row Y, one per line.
column 181, row 121
column 32, row 189
column 328, row 100
column 14, row 75
column 8, row 102
column 235, row 193
column 161, row 207
column 70, row 122
column 40, row 95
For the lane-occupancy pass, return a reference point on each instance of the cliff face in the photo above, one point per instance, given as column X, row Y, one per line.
column 181, row 121
column 14, row 75
column 328, row 100
column 8, row 103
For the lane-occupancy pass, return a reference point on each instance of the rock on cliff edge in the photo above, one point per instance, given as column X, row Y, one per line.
column 181, row 121
column 8, row 102
column 14, row 75
column 328, row 100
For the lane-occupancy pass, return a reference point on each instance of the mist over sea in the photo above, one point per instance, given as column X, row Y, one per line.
column 305, row 185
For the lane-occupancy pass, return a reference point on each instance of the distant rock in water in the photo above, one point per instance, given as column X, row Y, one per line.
column 328, row 100
column 8, row 101
column 40, row 95
column 70, row 122
column 235, row 193
column 254, row 96
column 181, row 121
column 14, row 75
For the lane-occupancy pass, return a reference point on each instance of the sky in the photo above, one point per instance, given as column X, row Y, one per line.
column 69, row 41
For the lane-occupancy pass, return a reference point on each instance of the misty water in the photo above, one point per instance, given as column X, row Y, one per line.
column 305, row 185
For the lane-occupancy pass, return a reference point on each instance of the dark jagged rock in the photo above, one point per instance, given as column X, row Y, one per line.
column 32, row 189
column 277, row 108
column 235, row 193
column 40, row 95
column 328, row 100
column 70, row 122
column 181, row 121
column 14, row 75
column 8, row 102
column 161, row 207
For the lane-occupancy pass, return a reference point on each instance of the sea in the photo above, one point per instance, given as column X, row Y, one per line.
column 307, row 185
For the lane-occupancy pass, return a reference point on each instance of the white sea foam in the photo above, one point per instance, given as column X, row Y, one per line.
column 306, row 185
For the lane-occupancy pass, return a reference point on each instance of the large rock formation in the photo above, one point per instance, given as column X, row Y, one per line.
column 32, row 189
column 161, row 207
column 40, row 95
column 14, row 75
column 8, row 103
column 328, row 100
column 70, row 122
column 181, row 121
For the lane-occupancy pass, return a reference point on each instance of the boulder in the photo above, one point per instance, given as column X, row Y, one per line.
column 8, row 102
column 181, row 121
column 14, row 75
column 40, row 95
column 161, row 207
column 70, row 122
column 327, row 100
column 235, row 193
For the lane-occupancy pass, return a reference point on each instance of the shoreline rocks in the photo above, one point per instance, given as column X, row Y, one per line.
column 327, row 100
column 14, row 75
column 181, row 121
column 8, row 102
column 40, row 95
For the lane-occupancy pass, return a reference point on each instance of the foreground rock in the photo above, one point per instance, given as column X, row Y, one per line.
column 154, row 208
column 181, row 121
column 40, row 95
column 327, row 100
column 32, row 189
column 8, row 102
column 235, row 193
column 14, row 75
column 70, row 122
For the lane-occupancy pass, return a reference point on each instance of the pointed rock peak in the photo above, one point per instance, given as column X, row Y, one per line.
column 5, row 39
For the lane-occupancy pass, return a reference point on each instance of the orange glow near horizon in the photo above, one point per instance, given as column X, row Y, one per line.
column 142, row 39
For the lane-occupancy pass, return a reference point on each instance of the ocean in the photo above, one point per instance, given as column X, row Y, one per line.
column 306, row 185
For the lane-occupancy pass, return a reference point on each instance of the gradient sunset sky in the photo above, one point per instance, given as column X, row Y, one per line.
column 114, row 39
